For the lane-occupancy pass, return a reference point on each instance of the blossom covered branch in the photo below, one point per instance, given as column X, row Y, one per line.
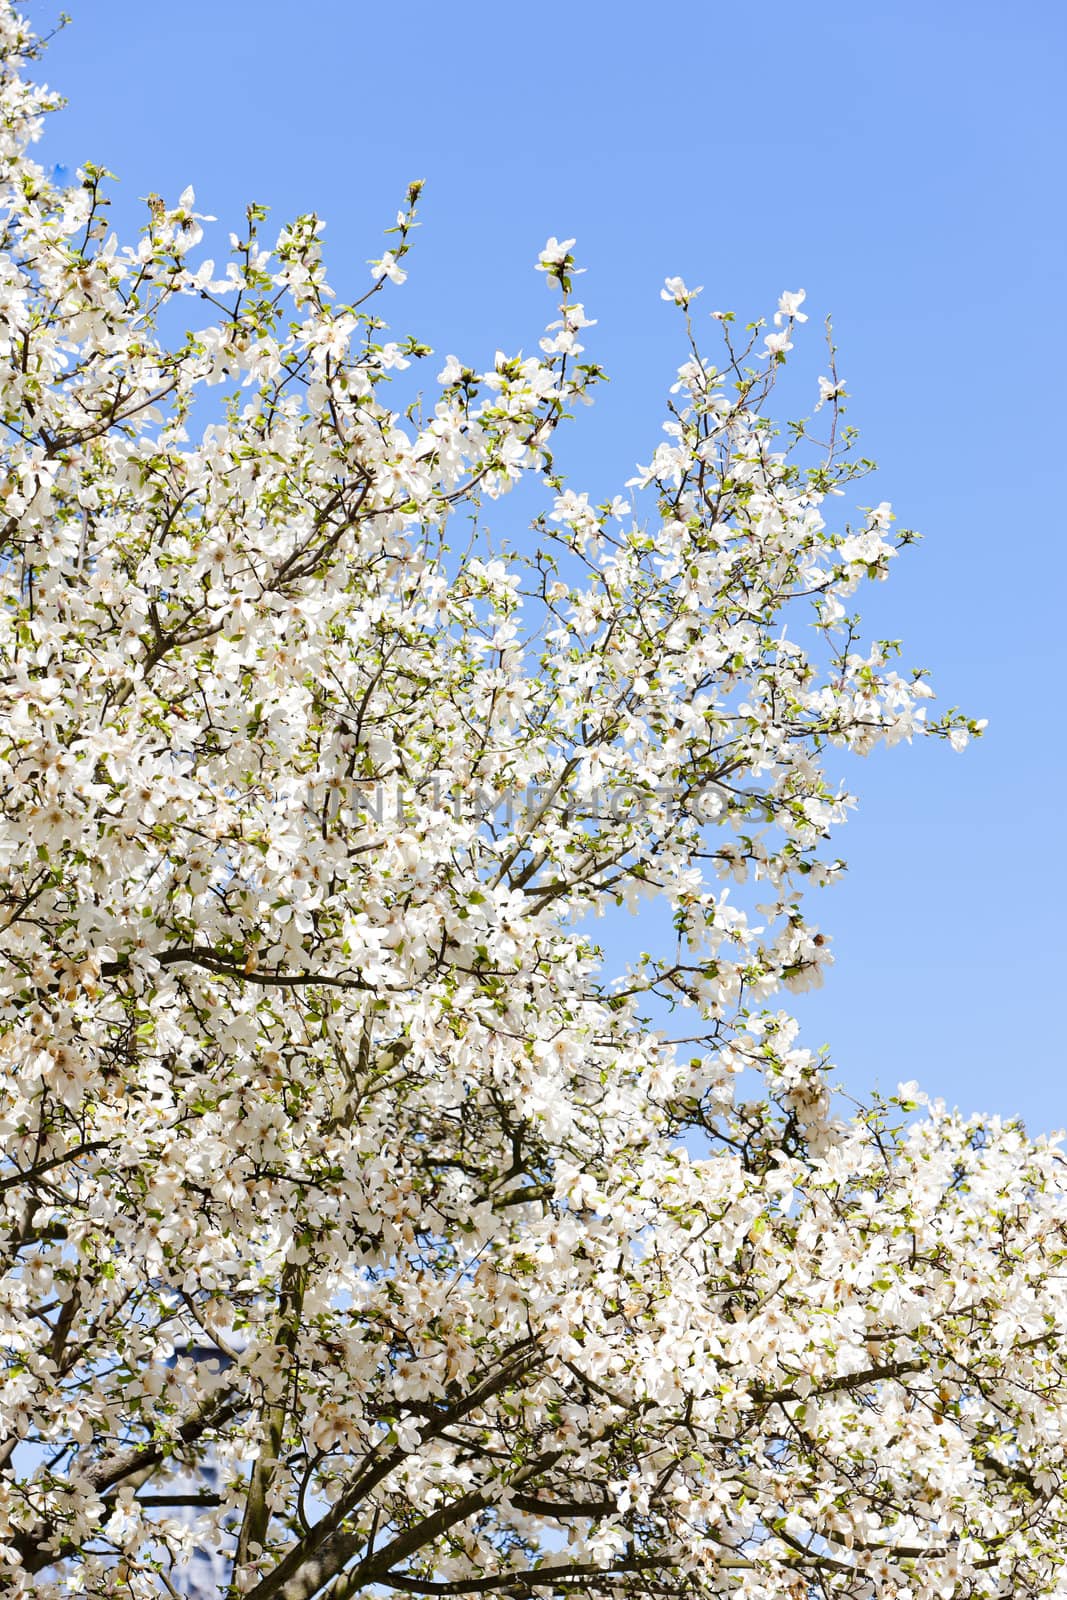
column 361, row 1225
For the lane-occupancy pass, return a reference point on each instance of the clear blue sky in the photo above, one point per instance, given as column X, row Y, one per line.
column 904, row 163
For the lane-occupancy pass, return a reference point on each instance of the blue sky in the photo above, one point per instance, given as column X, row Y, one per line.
column 904, row 164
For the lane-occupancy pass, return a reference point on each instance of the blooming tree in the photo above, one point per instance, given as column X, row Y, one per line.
column 362, row 1227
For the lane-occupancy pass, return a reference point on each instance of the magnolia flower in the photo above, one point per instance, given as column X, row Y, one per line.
column 554, row 254
column 829, row 389
column 387, row 266
column 676, row 290
column 789, row 304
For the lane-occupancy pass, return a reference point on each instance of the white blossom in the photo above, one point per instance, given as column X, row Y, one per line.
column 789, row 304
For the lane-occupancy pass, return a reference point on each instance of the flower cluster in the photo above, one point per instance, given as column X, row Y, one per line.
column 357, row 1227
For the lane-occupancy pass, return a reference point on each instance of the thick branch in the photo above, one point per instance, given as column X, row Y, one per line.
column 310, row 1551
